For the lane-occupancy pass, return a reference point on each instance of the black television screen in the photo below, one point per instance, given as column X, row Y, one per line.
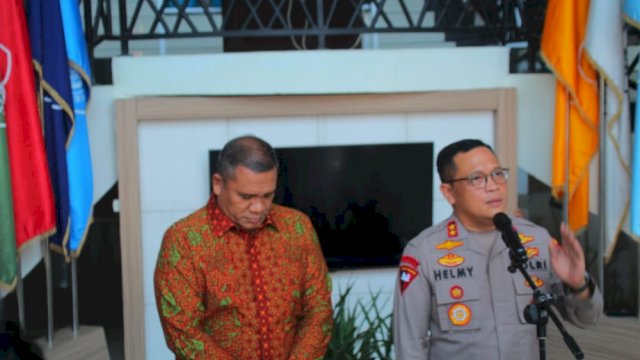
column 365, row 201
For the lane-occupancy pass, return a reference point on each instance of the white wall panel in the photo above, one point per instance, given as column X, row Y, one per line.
column 445, row 128
column 312, row 72
column 279, row 132
column 362, row 129
column 155, row 344
column 441, row 209
column 174, row 166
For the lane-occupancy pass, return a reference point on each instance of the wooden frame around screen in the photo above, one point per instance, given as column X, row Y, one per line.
column 131, row 112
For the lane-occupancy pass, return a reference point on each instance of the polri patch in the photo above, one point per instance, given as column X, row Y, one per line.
column 406, row 259
column 459, row 314
column 407, row 274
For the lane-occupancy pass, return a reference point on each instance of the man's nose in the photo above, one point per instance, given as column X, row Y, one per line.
column 258, row 205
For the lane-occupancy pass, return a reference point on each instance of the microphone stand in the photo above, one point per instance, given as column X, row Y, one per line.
column 539, row 311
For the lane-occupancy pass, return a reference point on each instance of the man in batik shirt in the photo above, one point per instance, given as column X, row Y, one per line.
column 243, row 278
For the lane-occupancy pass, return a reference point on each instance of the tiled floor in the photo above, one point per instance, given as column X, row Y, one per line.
column 615, row 338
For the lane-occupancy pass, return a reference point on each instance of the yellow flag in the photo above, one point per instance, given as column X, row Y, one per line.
column 577, row 104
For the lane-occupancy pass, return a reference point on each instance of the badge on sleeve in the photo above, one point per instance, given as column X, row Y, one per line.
column 409, row 260
column 408, row 271
column 459, row 314
column 407, row 274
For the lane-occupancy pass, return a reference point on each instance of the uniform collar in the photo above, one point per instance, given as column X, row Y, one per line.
column 222, row 223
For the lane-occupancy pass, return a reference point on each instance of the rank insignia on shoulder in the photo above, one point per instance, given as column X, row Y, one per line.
column 451, row 260
column 532, row 252
column 449, row 245
column 452, row 229
column 456, row 292
column 407, row 274
column 536, row 280
column 459, row 314
column 525, row 238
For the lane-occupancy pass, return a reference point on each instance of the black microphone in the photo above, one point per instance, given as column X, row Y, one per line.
column 510, row 238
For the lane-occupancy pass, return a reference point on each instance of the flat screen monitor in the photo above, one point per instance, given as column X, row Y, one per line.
column 365, row 201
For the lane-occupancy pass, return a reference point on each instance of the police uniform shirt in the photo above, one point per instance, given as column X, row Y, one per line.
column 455, row 298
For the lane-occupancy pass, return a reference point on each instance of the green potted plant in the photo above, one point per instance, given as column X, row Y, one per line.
column 360, row 331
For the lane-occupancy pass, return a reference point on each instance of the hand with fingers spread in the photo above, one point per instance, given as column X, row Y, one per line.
column 567, row 260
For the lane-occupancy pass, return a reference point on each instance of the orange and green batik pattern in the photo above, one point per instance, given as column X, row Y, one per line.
column 226, row 294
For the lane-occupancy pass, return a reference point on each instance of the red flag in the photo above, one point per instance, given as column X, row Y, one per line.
column 33, row 202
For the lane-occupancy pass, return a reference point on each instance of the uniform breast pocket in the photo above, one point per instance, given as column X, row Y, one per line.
column 524, row 292
column 458, row 306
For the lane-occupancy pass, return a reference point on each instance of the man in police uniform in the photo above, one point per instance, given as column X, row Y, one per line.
column 455, row 298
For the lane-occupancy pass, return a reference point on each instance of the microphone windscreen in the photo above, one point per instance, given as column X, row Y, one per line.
column 501, row 221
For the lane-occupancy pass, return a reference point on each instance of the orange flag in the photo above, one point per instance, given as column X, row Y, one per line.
column 577, row 104
column 33, row 203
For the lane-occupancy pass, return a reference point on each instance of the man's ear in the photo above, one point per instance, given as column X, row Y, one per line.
column 447, row 192
column 216, row 181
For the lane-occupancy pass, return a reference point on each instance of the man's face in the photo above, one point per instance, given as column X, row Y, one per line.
column 247, row 197
column 475, row 207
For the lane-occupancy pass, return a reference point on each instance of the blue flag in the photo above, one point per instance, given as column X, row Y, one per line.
column 52, row 75
column 631, row 12
column 78, row 152
column 634, row 216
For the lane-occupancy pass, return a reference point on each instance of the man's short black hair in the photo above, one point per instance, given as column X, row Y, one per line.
column 444, row 161
column 249, row 151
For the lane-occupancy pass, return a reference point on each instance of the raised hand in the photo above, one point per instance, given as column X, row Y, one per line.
column 567, row 258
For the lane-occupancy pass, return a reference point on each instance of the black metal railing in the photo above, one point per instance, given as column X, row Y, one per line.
column 466, row 22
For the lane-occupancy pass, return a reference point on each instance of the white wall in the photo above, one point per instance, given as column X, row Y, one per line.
column 303, row 72
column 348, row 72
column 312, row 72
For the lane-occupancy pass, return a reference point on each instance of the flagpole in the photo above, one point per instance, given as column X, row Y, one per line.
column 74, row 296
column 47, row 269
column 567, row 129
column 628, row 68
column 602, row 197
column 20, row 296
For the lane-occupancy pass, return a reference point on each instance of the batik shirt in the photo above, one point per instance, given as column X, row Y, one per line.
column 223, row 293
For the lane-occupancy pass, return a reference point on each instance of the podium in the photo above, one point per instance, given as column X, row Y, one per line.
column 90, row 344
